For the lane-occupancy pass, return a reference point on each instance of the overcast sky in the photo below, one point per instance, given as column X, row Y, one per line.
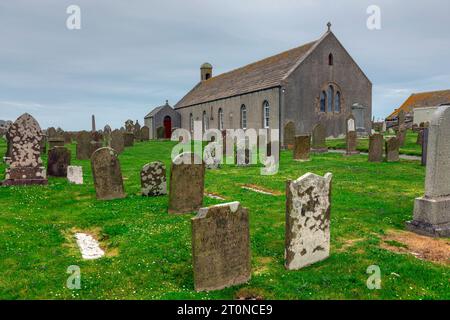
column 130, row 56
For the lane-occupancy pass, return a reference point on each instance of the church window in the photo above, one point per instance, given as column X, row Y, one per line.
column 330, row 98
column 205, row 121
column 337, row 102
column 323, row 101
column 330, row 59
column 266, row 115
column 243, row 117
column 191, row 122
column 220, row 118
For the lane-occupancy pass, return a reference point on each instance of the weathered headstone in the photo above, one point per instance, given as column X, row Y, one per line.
column 55, row 142
column 107, row 174
column 352, row 143
column 129, row 126
column 95, row 145
column 75, row 174
column 432, row 211
column 107, row 136
column 137, row 131
column 419, row 140
column 58, row 161
column 51, row 133
column 392, row 147
column 425, row 133
column 187, row 178
column 117, row 141
column 318, row 139
column 83, row 145
column 67, row 138
column 221, row 247
column 128, row 139
column 401, row 117
column 160, row 132
column 25, row 164
column 211, row 156
column 302, row 147
column 153, row 179
column 289, row 135
column 376, row 143
column 308, row 204
column 145, row 133
column 401, row 136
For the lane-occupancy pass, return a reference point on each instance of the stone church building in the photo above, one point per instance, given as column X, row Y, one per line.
column 318, row 82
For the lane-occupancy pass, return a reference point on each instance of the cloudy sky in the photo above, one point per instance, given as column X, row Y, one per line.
column 130, row 56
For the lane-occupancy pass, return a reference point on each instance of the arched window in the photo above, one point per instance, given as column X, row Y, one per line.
column 205, row 121
column 191, row 122
column 243, row 117
column 266, row 114
column 323, row 101
column 337, row 102
column 220, row 119
column 330, row 97
column 330, row 59
column 207, row 76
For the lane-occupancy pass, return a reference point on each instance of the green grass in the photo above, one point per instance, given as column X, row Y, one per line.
column 410, row 147
column 153, row 249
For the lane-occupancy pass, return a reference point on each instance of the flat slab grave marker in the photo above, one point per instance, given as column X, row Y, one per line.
column 308, row 205
column 221, row 247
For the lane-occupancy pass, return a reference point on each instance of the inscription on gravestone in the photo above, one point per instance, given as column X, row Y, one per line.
column 221, row 247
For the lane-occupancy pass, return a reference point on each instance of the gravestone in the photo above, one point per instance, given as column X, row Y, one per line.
column 129, row 126
column 392, row 147
column 107, row 136
column 137, row 131
column 153, row 179
column 308, row 204
column 432, row 211
column 117, row 141
column 67, row 138
column 419, row 140
column 187, row 178
column 160, row 133
column 83, row 145
column 221, row 247
column 425, row 133
column 376, row 142
column 108, row 180
column 51, row 133
column 25, row 163
column 75, row 174
column 211, row 156
column 145, row 133
column 318, row 139
column 289, row 135
column 302, row 147
column 401, row 136
column 352, row 143
column 55, row 142
column 128, row 139
column 401, row 119
column 43, row 143
column 58, row 161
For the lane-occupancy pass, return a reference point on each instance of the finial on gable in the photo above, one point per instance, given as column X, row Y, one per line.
column 329, row 26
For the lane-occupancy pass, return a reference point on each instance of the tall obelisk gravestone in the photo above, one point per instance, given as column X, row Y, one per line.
column 432, row 211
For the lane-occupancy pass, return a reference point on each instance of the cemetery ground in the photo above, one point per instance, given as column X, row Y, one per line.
column 148, row 251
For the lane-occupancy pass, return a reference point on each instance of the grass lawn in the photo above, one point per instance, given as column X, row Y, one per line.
column 149, row 251
column 410, row 147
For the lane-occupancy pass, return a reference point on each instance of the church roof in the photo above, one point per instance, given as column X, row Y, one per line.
column 156, row 110
column 423, row 99
column 263, row 74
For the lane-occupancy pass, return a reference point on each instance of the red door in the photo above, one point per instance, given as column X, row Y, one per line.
column 167, row 127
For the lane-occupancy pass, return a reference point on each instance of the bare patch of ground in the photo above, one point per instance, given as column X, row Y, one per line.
column 259, row 189
column 263, row 263
column 422, row 247
column 348, row 243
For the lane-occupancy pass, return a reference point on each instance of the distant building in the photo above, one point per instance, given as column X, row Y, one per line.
column 318, row 82
column 424, row 101
column 163, row 117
